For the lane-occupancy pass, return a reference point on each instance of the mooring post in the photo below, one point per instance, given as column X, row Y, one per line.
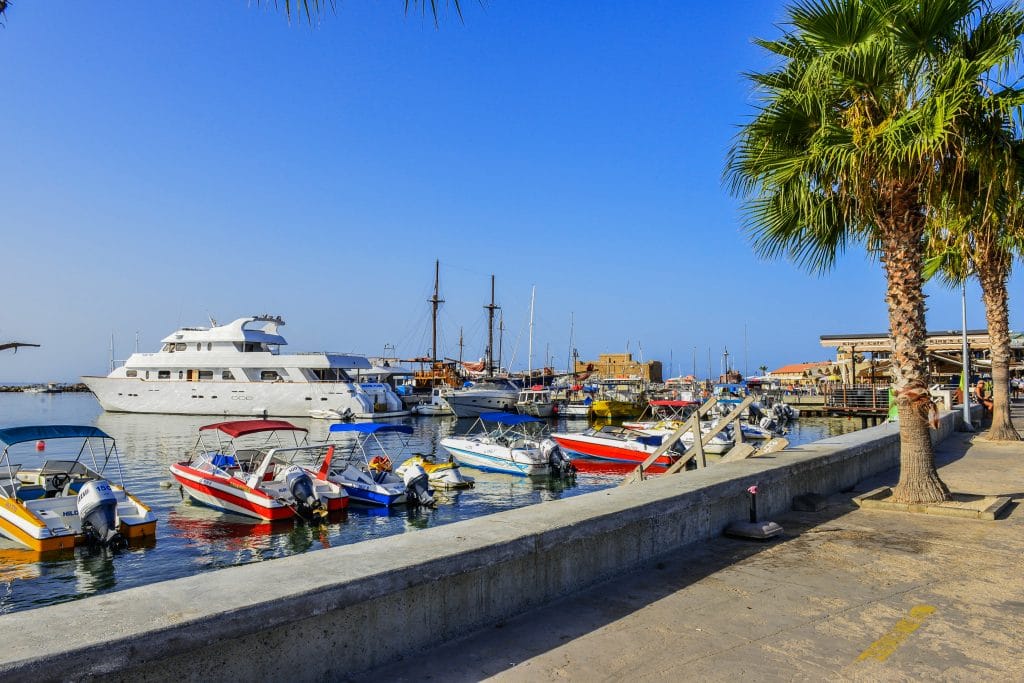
column 698, row 441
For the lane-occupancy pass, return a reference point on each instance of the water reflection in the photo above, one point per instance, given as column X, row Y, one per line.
column 192, row 538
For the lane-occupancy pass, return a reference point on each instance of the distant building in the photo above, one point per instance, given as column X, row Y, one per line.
column 802, row 373
column 610, row 365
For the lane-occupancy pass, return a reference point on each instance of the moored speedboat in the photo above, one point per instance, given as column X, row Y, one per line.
column 443, row 474
column 720, row 443
column 265, row 478
column 364, row 467
column 437, row 405
column 574, row 409
column 486, row 396
column 330, row 414
column 614, row 443
column 536, row 402
column 509, row 443
column 63, row 501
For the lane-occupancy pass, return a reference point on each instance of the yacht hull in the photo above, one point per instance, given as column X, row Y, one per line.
column 470, row 403
column 279, row 399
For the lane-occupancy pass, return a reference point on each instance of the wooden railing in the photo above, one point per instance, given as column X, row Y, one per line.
column 857, row 397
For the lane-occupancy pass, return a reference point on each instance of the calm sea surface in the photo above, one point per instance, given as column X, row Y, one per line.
column 193, row 539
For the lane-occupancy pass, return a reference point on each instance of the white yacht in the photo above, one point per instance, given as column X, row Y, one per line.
column 234, row 369
column 492, row 395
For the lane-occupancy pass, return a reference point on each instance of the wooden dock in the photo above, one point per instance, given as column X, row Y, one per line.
column 869, row 402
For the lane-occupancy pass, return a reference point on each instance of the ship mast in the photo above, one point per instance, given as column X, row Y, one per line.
column 529, row 361
column 490, row 331
column 435, row 301
column 501, row 339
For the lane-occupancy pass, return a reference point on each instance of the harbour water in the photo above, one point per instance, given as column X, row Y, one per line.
column 193, row 539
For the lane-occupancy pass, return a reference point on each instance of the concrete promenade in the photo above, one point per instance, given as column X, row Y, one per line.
column 848, row 594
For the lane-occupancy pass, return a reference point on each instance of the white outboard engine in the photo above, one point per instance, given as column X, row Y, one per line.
column 97, row 508
column 300, row 485
column 417, row 485
column 559, row 462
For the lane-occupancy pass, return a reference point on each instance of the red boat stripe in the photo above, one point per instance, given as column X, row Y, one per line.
column 595, row 450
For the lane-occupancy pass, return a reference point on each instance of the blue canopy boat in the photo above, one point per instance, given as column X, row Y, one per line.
column 509, row 443
column 365, row 469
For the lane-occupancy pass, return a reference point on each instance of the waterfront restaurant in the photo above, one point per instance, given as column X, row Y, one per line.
column 864, row 358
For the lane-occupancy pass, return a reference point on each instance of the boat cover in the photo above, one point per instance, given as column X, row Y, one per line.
column 13, row 435
column 370, row 428
column 508, row 418
column 223, row 461
column 242, row 427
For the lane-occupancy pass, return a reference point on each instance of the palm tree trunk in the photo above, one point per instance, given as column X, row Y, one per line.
column 993, row 277
column 902, row 230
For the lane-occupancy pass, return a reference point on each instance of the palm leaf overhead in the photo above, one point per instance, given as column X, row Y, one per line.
column 855, row 132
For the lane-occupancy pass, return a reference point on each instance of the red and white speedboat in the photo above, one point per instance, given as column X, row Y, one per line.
column 262, row 477
column 614, row 443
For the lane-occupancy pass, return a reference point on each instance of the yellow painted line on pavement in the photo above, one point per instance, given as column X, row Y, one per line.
column 882, row 648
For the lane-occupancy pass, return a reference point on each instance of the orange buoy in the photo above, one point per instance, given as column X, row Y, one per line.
column 40, row 445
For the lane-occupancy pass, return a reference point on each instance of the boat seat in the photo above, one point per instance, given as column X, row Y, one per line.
column 31, row 492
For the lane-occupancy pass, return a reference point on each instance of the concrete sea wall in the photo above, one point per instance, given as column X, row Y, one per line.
column 327, row 614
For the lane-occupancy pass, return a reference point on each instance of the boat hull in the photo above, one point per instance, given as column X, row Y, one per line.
column 610, row 408
column 575, row 410
column 31, row 524
column 495, row 458
column 536, row 409
column 609, row 449
column 470, row 403
column 280, row 399
column 234, row 496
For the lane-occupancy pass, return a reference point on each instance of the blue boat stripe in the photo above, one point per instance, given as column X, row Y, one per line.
column 501, row 462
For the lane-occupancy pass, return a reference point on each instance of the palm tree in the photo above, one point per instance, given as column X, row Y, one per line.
column 980, row 222
column 978, row 231
column 845, row 149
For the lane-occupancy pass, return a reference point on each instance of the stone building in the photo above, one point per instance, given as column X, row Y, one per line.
column 610, row 365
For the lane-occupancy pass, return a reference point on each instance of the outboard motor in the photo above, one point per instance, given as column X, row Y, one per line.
column 97, row 508
column 417, row 485
column 754, row 414
column 559, row 462
column 300, row 485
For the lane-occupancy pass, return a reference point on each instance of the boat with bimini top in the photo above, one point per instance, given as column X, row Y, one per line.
column 364, row 466
column 62, row 501
column 250, row 468
column 509, row 443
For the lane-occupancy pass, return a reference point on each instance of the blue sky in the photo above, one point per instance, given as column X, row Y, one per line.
column 161, row 165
